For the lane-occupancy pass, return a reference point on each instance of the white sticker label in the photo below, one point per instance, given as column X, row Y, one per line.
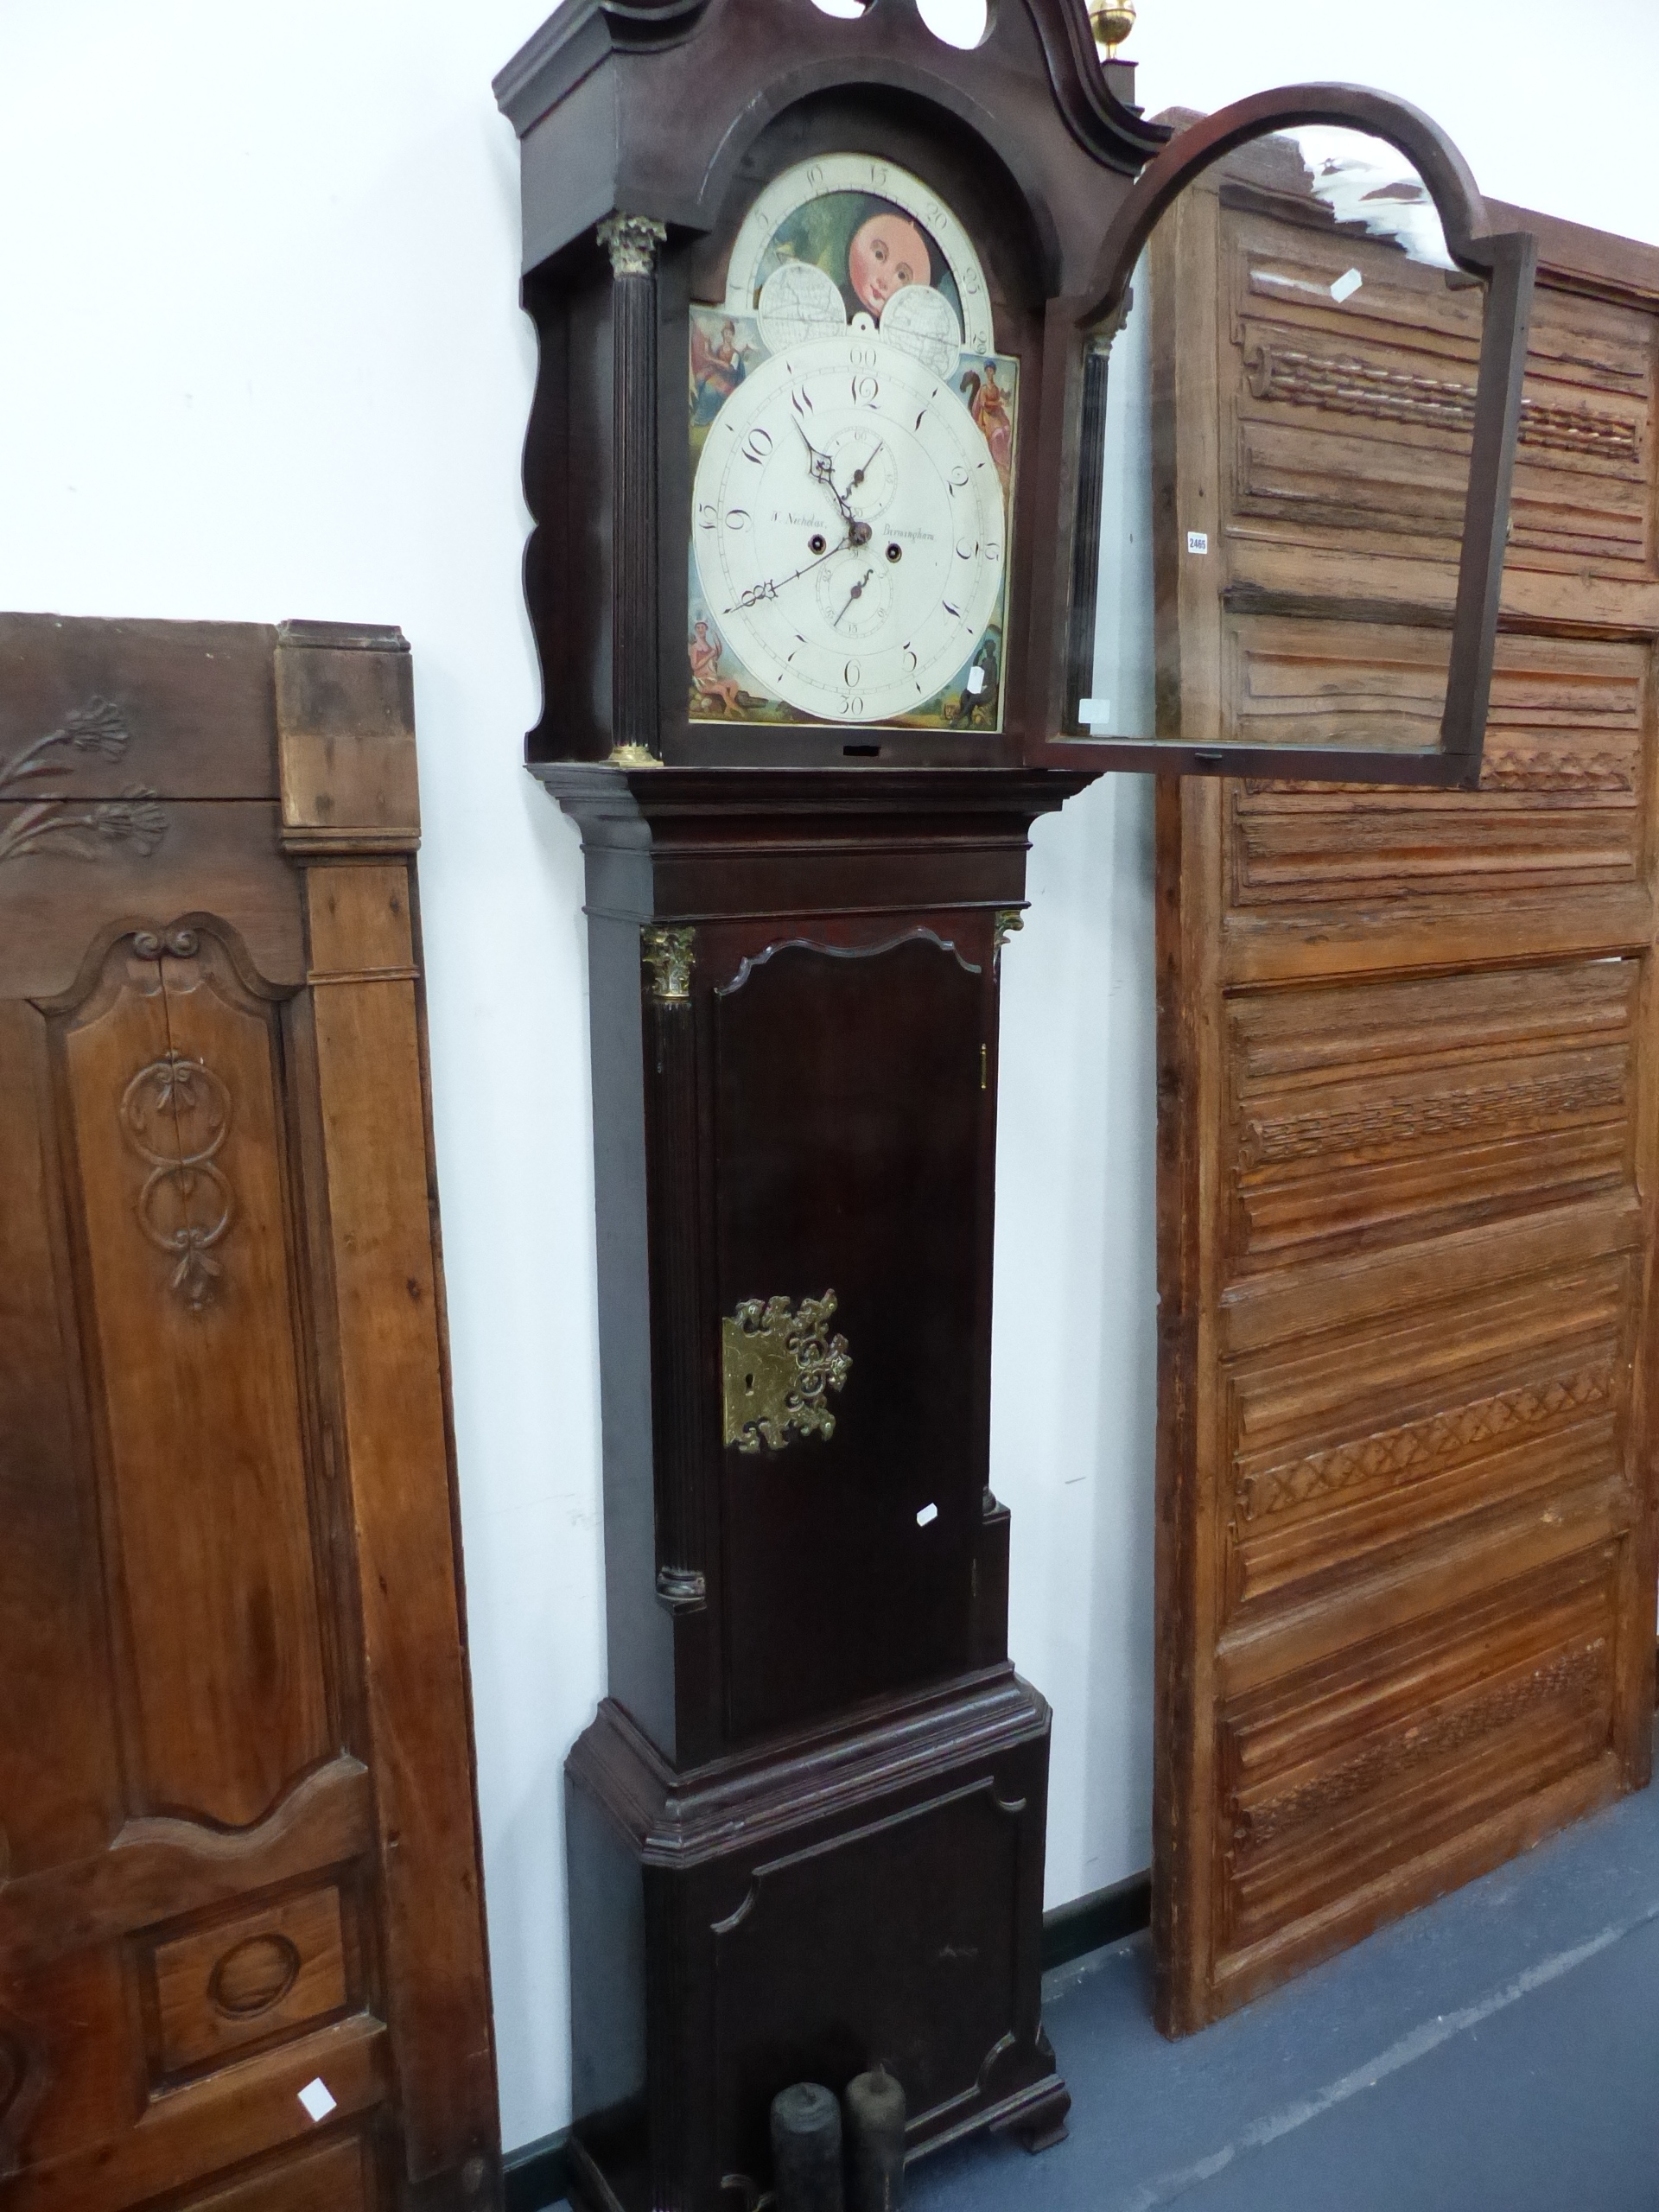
column 1347, row 285
column 976, row 674
column 1197, row 541
column 315, row 2098
column 1097, row 713
column 928, row 1513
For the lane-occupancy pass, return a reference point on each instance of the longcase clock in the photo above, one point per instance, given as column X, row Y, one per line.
column 822, row 308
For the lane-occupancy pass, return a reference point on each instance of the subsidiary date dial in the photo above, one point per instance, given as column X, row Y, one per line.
column 848, row 529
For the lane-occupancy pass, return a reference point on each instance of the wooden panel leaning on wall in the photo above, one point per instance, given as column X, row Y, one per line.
column 239, row 1854
column 1407, row 1119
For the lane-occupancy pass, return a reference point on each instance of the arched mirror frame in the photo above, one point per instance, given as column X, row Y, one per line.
column 1504, row 262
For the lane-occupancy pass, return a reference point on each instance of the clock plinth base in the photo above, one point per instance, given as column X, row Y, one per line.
column 1042, row 2125
column 873, row 1892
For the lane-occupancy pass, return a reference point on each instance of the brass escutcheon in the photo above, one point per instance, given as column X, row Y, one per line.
column 777, row 1364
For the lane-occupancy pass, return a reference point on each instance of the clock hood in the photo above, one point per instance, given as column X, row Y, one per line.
column 657, row 106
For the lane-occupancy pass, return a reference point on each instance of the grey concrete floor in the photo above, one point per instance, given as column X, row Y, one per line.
column 1497, row 2051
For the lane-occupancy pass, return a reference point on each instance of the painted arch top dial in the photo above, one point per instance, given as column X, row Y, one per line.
column 860, row 173
column 847, row 528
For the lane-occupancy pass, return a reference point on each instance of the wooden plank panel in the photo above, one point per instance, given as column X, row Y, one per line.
column 183, row 709
column 59, row 1782
column 1364, row 1113
column 1337, row 1775
column 1343, row 1445
column 238, row 2113
column 336, row 2176
column 1343, row 417
column 1409, row 1130
column 68, row 2018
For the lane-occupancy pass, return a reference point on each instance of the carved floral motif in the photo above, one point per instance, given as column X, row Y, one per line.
column 1415, row 1447
column 1393, row 1122
column 1536, row 768
column 87, row 832
column 1572, row 1678
column 1345, row 385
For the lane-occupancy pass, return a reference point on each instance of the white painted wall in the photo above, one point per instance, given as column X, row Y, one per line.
column 259, row 356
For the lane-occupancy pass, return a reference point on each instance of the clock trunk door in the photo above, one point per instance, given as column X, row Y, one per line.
column 854, row 1098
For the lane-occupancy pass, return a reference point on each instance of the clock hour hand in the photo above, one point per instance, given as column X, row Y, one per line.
column 823, row 471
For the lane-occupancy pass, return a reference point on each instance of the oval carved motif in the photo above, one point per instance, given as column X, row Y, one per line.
column 253, row 1975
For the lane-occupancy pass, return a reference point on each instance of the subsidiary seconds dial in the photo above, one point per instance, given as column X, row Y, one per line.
column 849, row 526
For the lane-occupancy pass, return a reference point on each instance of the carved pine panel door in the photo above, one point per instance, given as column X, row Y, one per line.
column 241, row 1960
column 1407, row 1119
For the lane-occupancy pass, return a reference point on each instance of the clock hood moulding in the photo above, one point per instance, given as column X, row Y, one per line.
column 670, row 105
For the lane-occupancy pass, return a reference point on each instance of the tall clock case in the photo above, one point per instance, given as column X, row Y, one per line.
column 989, row 700
column 806, row 1828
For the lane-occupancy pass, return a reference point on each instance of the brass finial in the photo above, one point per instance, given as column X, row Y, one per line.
column 1111, row 22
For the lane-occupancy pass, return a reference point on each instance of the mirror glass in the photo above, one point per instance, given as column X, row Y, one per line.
column 1274, row 456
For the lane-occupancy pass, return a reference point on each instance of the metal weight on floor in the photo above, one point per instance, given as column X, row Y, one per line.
column 806, row 2149
column 875, row 2142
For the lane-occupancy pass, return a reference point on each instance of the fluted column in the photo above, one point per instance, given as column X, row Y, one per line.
column 633, row 242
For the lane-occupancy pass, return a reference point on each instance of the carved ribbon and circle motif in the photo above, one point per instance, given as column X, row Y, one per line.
column 176, row 1112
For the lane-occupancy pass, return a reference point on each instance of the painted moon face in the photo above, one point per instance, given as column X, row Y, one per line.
column 949, row 246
